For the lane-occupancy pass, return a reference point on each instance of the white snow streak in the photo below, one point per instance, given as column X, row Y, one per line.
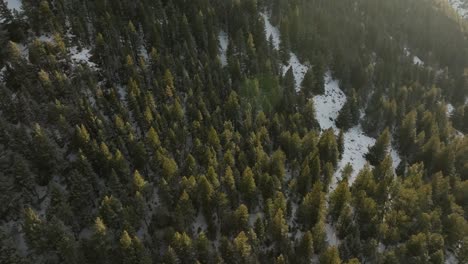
column 223, row 46
column 200, row 223
column 417, row 61
column 356, row 143
column 82, row 56
column 356, row 146
column 14, row 4
column 332, row 237
column 298, row 68
column 450, row 109
column 271, row 31
column 460, row 7
column 328, row 105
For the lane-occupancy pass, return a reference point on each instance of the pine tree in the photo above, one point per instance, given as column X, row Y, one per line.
column 183, row 246
column 312, row 207
column 289, row 92
column 111, row 212
column 305, row 248
column 184, row 212
column 328, row 148
column 242, row 247
column 241, row 218
column 340, row 198
column 378, row 152
column 45, row 156
column 319, row 74
column 206, row 194
column 319, row 235
column 280, row 260
column 171, row 256
column 407, row 135
column 34, row 230
column 202, row 245
column 169, row 88
column 330, row 256
column 247, row 186
column 279, row 227
column 100, row 243
column 308, row 84
column 126, row 249
column 340, row 143
column 349, row 114
column 139, row 183
column 81, row 196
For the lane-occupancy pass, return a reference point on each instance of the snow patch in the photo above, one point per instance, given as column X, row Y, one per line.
column 14, row 5
column 332, row 237
column 2, row 73
column 143, row 53
column 450, row 109
column 81, row 56
column 45, row 38
column 395, row 157
column 356, row 146
column 460, row 7
column 417, row 61
column 223, row 46
column 356, row 142
column 271, row 31
column 450, row 258
column 328, row 105
column 253, row 218
column 298, row 68
column 200, row 223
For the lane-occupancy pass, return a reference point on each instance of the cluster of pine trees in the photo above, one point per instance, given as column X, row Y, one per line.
column 154, row 151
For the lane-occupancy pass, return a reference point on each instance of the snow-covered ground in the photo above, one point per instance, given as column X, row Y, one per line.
column 200, row 223
column 223, row 46
column 417, row 61
column 298, row 68
column 332, row 237
column 328, row 105
column 81, row 56
column 356, row 146
column 450, row 109
column 45, row 38
column 14, row 4
column 271, row 31
column 450, row 258
column 460, row 7
column 327, row 108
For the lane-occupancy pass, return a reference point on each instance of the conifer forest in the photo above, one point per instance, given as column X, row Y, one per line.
column 233, row 131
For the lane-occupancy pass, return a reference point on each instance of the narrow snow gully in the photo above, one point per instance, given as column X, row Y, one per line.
column 356, row 142
column 299, row 69
column 223, row 46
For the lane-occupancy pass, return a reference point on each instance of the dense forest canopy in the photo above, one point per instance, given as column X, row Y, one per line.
column 233, row 131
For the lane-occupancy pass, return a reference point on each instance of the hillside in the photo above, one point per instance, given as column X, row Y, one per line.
column 233, row 131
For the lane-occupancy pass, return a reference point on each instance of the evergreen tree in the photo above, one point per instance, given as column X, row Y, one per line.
column 349, row 114
column 312, row 209
column 305, row 249
column 340, row 198
column 330, row 256
column 328, row 148
column 378, row 152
